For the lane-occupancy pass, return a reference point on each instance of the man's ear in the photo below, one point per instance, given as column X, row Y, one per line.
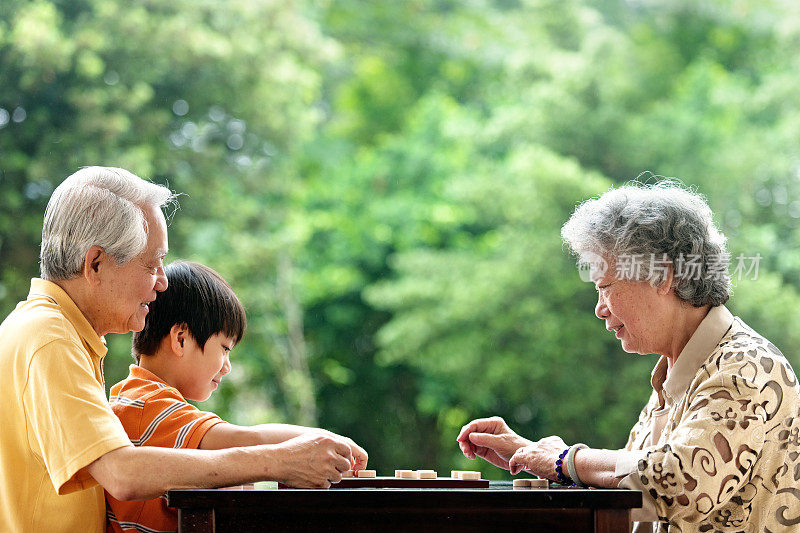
column 179, row 335
column 93, row 261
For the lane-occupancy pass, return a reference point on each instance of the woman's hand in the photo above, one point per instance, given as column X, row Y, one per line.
column 539, row 458
column 490, row 439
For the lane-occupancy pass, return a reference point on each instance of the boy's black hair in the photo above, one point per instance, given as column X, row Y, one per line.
column 196, row 296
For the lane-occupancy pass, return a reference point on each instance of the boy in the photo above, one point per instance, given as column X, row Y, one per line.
column 182, row 353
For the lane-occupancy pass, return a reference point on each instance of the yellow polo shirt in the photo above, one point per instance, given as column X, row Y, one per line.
column 54, row 416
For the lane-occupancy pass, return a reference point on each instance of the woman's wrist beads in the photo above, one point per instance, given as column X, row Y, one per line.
column 559, row 471
column 566, row 461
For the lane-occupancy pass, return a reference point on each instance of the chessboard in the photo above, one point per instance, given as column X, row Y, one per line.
column 387, row 482
column 410, row 479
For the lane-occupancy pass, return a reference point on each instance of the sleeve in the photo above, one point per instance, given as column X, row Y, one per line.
column 169, row 421
column 635, row 450
column 70, row 423
column 640, row 432
column 711, row 452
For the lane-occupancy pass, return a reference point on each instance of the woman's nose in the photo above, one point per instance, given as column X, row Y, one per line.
column 601, row 309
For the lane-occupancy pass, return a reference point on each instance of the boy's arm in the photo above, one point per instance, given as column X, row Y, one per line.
column 146, row 472
column 225, row 435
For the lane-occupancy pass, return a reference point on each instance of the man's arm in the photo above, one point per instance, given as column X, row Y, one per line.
column 147, row 472
column 225, row 435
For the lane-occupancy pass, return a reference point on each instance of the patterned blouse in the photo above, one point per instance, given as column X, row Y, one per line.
column 717, row 447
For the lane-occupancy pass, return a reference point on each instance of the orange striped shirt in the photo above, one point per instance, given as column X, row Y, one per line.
column 153, row 413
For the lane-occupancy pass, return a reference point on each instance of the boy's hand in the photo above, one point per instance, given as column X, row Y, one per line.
column 313, row 460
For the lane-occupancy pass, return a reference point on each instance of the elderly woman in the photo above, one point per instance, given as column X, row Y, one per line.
column 717, row 446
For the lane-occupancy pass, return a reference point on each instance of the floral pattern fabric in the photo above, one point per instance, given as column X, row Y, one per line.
column 728, row 457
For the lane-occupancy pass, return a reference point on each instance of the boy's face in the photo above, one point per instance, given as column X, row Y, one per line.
column 205, row 368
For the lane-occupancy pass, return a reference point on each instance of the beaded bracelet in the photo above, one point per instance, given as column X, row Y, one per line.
column 559, row 472
column 571, row 470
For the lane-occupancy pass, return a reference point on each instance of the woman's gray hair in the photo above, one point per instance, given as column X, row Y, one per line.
column 96, row 206
column 647, row 227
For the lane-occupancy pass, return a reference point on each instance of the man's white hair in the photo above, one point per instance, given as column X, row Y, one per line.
column 97, row 206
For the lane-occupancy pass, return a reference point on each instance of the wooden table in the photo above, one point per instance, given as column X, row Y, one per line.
column 388, row 510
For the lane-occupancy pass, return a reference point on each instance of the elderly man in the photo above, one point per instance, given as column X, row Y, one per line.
column 103, row 243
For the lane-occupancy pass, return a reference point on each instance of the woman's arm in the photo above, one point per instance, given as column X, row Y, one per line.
column 595, row 467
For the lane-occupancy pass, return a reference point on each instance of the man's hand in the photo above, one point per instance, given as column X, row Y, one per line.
column 314, row 460
column 360, row 456
column 490, row 439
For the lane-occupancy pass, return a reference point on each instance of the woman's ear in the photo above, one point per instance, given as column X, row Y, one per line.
column 665, row 286
column 178, row 335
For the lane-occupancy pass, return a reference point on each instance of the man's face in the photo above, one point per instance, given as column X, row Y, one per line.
column 132, row 286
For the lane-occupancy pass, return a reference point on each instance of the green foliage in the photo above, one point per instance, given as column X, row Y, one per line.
column 165, row 91
column 383, row 184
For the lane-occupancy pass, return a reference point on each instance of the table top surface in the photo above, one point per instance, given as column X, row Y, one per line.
column 499, row 494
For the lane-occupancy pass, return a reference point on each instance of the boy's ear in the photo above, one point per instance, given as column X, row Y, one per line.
column 178, row 335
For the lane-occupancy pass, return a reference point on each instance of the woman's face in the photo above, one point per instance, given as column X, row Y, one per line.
column 633, row 310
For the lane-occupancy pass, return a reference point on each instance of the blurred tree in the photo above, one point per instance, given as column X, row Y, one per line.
column 672, row 88
column 211, row 101
column 383, row 184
